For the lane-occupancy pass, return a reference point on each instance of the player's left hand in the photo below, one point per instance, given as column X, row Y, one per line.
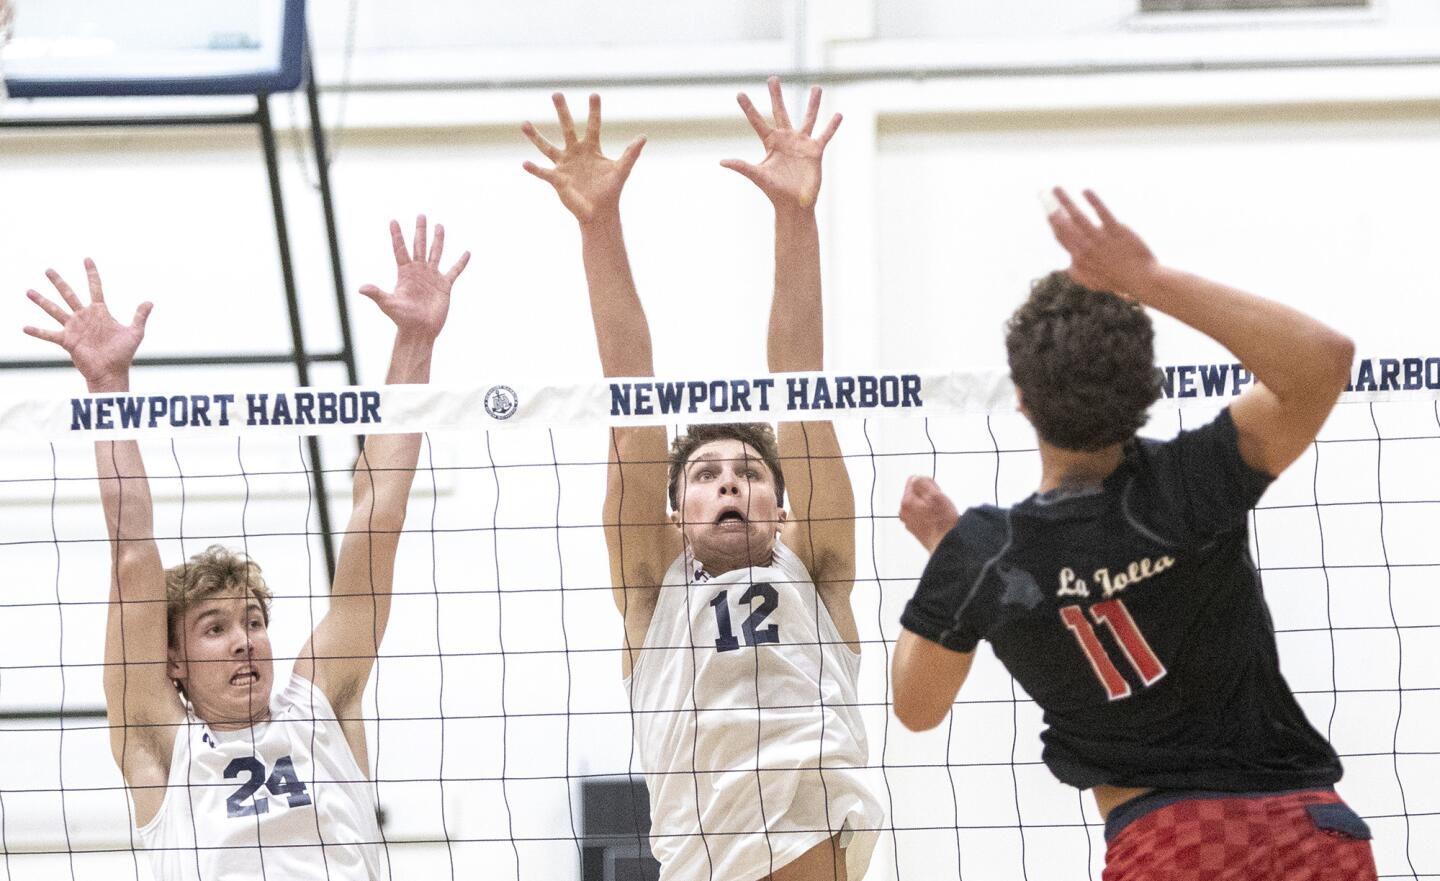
column 927, row 512
column 421, row 299
column 790, row 172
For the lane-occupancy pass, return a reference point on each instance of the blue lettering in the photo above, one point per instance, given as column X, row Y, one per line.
column 1212, row 379
column 81, row 413
column 719, row 396
column 157, row 408
column 280, row 415
column 224, row 401
column 102, row 413
column 1365, row 382
column 179, row 411
column 867, row 391
column 694, row 394
column 256, row 404
column 370, row 407
column 1413, row 368
column 200, row 409
column 304, row 408
column 349, row 408
column 1241, row 377
column 130, row 410
column 889, row 391
column 845, row 392
column 1432, row 373
column 822, row 395
column 1389, row 374
column 1167, row 382
column 799, row 387
column 1187, row 381
column 764, row 385
column 620, row 398
column 670, row 395
column 740, row 394
column 910, row 386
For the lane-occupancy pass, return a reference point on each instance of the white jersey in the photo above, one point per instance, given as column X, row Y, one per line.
column 747, row 725
column 283, row 799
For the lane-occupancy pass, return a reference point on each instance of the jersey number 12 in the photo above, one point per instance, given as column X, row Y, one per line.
column 1114, row 615
column 754, row 633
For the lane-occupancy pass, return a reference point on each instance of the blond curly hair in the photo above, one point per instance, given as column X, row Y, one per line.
column 215, row 570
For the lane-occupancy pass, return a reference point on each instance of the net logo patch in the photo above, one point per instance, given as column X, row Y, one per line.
column 501, row 402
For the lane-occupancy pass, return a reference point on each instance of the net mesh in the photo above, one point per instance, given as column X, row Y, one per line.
column 501, row 738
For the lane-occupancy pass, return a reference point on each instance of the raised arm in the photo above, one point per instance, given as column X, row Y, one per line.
column 640, row 539
column 342, row 650
column 821, row 528
column 1301, row 365
column 925, row 676
column 140, row 699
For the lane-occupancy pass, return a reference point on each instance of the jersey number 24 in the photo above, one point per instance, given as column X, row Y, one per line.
column 283, row 781
column 1114, row 615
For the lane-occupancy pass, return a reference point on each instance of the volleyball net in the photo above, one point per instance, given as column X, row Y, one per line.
column 500, row 734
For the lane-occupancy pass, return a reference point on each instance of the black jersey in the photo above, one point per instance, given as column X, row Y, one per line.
column 1133, row 615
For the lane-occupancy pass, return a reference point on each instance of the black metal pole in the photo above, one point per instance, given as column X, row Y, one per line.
column 327, row 204
column 302, row 363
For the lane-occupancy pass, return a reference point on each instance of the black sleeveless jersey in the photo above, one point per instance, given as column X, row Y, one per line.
column 1133, row 615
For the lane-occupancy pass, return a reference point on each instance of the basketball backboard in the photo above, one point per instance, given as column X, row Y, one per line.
column 91, row 48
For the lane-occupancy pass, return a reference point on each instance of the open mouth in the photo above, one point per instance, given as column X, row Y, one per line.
column 245, row 677
column 731, row 516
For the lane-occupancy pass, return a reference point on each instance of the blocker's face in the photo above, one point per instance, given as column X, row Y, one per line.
column 224, row 659
column 728, row 510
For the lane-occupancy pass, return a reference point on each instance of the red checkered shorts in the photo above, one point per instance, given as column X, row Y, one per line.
column 1307, row 835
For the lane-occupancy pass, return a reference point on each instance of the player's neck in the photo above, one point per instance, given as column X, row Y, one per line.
column 716, row 565
column 1076, row 470
column 221, row 721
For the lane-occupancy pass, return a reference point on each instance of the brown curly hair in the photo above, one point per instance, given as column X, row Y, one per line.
column 1084, row 361
column 215, row 570
column 759, row 435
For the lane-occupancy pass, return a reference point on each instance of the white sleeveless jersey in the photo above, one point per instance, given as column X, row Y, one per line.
column 283, row 799
column 747, row 725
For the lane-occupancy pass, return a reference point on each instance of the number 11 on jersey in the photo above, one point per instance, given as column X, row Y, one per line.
column 1114, row 615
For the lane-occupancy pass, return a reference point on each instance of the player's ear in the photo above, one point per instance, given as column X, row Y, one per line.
column 175, row 666
column 675, row 519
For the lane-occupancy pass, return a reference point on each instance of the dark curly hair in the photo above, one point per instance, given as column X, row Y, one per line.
column 758, row 435
column 1085, row 363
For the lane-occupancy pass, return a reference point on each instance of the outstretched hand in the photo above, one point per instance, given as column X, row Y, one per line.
column 790, row 172
column 101, row 347
column 421, row 299
column 588, row 182
column 1109, row 257
column 927, row 512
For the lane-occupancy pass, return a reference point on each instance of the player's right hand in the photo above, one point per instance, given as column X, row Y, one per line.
column 1109, row 256
column 101, row 347
column 588, row 182
column 927, row 512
